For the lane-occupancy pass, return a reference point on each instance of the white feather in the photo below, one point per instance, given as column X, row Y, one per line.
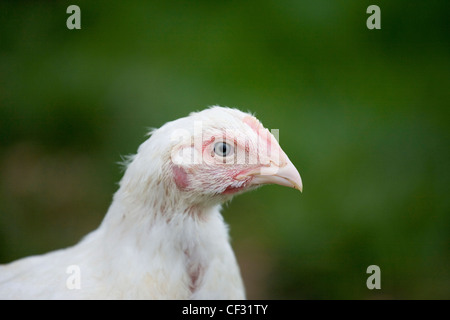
column 155, row 242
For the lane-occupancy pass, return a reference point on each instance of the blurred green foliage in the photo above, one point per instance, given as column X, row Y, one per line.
column 363, row 114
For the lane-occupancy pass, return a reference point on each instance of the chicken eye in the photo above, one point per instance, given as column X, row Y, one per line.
column 222, row 149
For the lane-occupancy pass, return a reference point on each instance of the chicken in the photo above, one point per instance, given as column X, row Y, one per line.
column 163, row 236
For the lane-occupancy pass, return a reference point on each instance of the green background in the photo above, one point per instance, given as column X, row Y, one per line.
column 363, row 114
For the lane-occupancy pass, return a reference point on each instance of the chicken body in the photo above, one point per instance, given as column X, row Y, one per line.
column 184, row 258
column 163, row 236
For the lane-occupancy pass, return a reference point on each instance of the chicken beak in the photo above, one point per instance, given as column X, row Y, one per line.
column 287, row 175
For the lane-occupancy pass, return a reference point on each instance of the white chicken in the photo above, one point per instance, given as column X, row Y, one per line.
column 163, row 236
